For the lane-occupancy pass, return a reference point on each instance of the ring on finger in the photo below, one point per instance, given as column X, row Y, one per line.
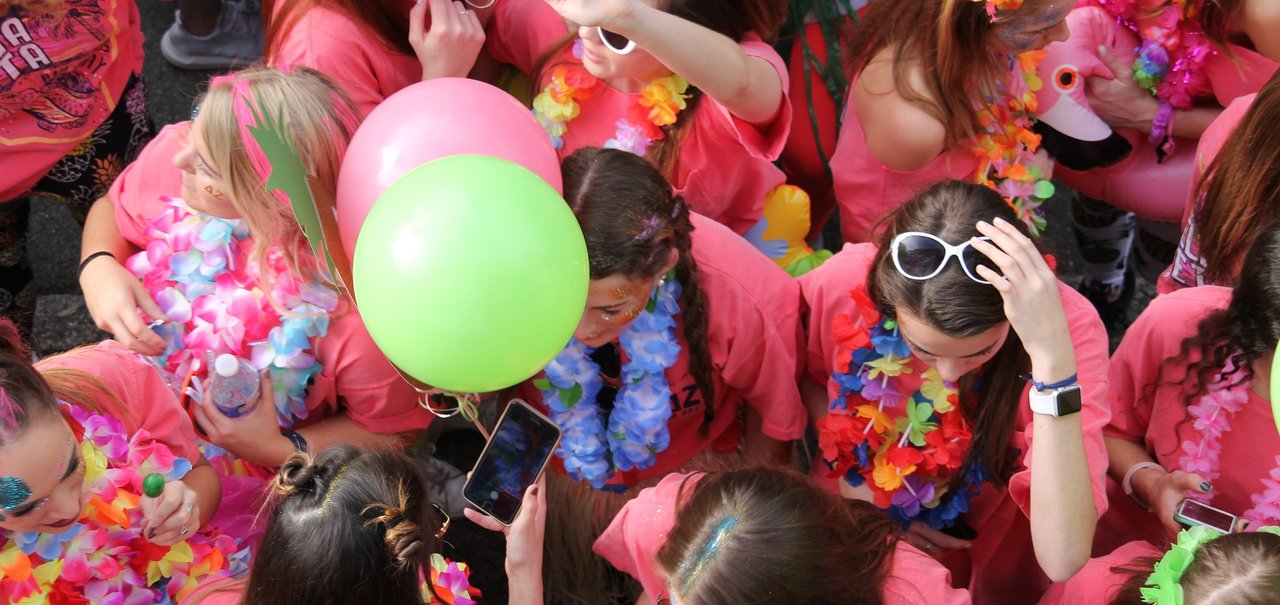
column 184, row 532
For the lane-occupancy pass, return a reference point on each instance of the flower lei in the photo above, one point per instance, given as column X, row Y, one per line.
column 909, row 461
column 1173, row 53
column 1164, row 585
column 1211, row 417
column 1006, row 151
column 659, row 104
column 994, row 6
column 451, row 582
column 104, row 558
column 200, row 270
column 595, row 443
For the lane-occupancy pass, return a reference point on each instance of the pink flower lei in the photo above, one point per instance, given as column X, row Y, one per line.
column 104, row 558
column 1171, row 60
column 1211, row 418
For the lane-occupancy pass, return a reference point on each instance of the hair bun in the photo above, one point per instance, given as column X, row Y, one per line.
column 404, row 537
column 297, row 474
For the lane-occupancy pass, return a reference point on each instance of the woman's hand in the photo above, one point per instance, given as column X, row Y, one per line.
column 525, row 536
column 1118, row 100
column 1030, row 292
column 450, row 47
column 931, row 541
column 255, row 437
column 171, row 517
column 1165, row 491
column 609, row 14
column 114, row 297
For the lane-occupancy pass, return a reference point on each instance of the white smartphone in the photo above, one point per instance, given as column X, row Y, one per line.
column 517, row 451
column 1192, row 513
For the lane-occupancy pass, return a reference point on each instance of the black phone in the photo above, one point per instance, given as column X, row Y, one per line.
column 517, row 451
column 960, row 529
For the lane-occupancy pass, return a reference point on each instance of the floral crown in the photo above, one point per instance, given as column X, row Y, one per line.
column 994, row 6
column 1164, row 585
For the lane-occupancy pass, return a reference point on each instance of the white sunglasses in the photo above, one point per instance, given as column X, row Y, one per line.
column 921, row 256
column 616, row 42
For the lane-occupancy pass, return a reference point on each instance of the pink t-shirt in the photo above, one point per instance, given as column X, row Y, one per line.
column 152, row 403
column 725, row 165
column 866, row 189
column 632, row 540
column 330, row 41
column 1096, row 584
column 1250, row 449
column 61, row 75
column 356, row 376
column 1187, row 268
column 1001, row 561
column 753, row 335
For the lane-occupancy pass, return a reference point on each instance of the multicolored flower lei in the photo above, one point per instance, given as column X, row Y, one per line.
column 995, row 6
column 1211, row 417
column 104, row 558
column 1171, row 59
column 659, row 104
column 907, row 448
column 595, row 445
column 450, row 583
column 201, row 271
column 1007, row 150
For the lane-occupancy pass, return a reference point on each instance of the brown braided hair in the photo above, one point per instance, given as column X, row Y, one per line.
column 632, row 222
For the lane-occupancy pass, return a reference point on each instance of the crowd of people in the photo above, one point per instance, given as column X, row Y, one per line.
column 928, row 415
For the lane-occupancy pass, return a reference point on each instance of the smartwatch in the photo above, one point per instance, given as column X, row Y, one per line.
column 1059, row 402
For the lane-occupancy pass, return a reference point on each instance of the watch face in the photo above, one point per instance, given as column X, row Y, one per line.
column 1069, row 401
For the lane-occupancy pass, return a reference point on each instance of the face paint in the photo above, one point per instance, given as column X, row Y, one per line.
column 13, row 492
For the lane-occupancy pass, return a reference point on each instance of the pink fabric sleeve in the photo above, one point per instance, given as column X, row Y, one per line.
column 153, row 406
column 915, row 577
column 323, row 40
column 632, row 540
column 1096, row 583
column 521, row 30
column 826, row 295
column 358, row 379
column 137, row 191
column 754, row 326
column 1089, row 338
column 763, row 142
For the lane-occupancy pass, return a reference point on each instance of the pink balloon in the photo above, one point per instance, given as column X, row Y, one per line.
column 431, row 120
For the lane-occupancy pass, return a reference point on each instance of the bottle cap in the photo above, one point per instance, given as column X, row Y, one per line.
column 226, row 365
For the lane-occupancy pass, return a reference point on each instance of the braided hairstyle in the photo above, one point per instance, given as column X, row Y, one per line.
column 348, row 526
column 632, row 222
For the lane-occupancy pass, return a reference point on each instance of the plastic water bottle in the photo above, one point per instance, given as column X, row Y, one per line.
column 233, row 385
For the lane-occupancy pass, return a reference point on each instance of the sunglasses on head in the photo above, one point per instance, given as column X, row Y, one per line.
column 921, row 256
column 616, row 42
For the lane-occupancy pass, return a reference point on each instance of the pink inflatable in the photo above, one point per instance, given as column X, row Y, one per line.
column 431, row 120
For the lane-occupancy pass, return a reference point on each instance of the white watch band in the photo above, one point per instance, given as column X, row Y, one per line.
column 1043, row 404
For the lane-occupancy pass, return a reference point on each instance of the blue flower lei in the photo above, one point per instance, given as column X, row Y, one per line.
column 886, row 342
column 593, row 447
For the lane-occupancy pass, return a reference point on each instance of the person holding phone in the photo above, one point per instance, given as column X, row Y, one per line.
column 1192, row 416
column 685, row 354
column 690, row 85
column 80, row 435
column 732, row 536
column 963, row 382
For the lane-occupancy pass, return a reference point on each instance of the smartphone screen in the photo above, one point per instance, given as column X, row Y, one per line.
column 517, row 451
column 1191, row 512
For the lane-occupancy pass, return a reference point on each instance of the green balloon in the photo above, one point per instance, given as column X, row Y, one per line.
column 470, row 273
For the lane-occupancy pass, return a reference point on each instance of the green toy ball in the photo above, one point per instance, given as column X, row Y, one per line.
column 153, row 485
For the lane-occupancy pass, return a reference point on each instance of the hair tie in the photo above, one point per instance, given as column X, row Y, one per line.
column 394, row 521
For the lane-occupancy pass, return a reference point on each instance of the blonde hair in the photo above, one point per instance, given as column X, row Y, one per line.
column 321, row 120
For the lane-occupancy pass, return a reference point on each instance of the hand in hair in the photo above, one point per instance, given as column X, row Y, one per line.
column 449, row 48
column 255, row 437
column 114, row 298
column 172, row 516
column 524, row 543
column 1031, row 302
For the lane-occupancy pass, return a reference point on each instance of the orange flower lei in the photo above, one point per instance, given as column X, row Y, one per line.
column 993, row 6
column 659, row 105
column 1006, row 152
